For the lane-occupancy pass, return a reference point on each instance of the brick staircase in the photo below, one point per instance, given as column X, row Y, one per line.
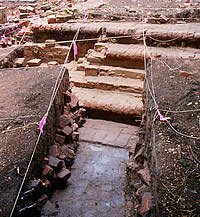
column 108, row 83
column 110, row 78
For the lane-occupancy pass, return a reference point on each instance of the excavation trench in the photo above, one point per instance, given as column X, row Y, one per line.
column 115, row 171
column 98, row 184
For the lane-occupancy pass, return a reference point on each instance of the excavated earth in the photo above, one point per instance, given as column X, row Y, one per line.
column 168, row 151
column 24, row 100
column 175, row 145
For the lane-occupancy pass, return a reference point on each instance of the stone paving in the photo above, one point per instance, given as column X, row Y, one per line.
column 98, row 181
column 109, row 133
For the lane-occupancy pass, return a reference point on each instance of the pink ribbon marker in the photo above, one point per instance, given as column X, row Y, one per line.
column 161, row 116
column 43, row 122
column 86, row 16
column 145, row 20
column 4, row 38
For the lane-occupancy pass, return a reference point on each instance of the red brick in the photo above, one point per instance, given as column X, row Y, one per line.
column 60, row 139
column 64, row 174
column 74, row 101
column 145, row 176
column 64, row 121
column 68, row 152
column 55, row 163
column 184, row 73
column 53, row 151
column 67, row 131
column 51, row 19
column 147, row 203
column 47, row 171
column 34, row 62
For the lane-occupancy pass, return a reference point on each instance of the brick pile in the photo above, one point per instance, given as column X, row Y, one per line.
column 140, row 179
column 55, row 167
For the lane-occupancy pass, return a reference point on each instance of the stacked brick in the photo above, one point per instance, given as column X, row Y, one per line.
column 44, row 53
column 55, row 168
column 139, row 171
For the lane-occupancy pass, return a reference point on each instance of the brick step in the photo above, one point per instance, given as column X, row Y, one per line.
column 183, row 35
column 119, row 55
column 79, row 79
column 109, row 101
column 103, row 70
column 132, row 56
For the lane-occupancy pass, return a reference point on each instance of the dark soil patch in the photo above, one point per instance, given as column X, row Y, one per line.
column 174, row 163
column 24, row 92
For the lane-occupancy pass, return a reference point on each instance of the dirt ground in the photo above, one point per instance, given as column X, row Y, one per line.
column 177, row 171
column 176, row 150
column 24, row 100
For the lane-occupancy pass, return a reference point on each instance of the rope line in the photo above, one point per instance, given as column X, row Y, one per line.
column 24, row 178
column 56, row 87
column 152, row 92
column 184, row 111
column 163, row 41
column 182, row 134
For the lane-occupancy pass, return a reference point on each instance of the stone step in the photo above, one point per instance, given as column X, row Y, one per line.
column 109, row 101
column 79, row 79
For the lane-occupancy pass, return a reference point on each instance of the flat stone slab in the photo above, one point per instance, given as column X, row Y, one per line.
column 98, row 176
column 97, row 184
column 107, row 82
column 108, row 133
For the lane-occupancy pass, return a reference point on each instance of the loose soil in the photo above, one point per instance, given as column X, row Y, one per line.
column 176, row 166
column 177, row 169
column 24, row 100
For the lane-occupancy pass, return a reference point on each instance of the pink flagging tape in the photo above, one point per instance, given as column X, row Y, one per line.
column 4, row 35
column 86, row 16
column 43, row 122
column 4, row 38
column 145, row 20
column 161, row 116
